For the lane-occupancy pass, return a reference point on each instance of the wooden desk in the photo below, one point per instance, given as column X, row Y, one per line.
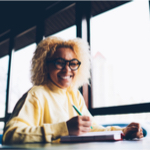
column 142, row 144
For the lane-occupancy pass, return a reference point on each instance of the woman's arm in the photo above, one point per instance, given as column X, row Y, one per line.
column 26, row 124
column 19, row 132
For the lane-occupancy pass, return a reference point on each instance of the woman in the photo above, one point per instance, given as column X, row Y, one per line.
column 45, row 112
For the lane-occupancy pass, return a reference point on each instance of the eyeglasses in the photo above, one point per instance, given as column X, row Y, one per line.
column 60, row 63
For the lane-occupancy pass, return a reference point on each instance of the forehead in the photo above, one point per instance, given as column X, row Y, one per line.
column 65, row 53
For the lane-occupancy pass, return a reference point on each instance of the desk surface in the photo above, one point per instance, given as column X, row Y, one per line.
column 142, row 144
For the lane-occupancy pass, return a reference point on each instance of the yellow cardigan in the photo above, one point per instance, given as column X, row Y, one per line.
column 41, row 115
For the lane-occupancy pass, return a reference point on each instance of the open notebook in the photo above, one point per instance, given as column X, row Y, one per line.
column 94, row 136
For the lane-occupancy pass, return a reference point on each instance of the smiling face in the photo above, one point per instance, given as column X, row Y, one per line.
column 64, row 77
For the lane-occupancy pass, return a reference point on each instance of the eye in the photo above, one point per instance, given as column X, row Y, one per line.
column 59, row 63
column 74, row 64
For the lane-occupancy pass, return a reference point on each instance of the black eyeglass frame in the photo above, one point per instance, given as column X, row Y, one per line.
column 65, row 62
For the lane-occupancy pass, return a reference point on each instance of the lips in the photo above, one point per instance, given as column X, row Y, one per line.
column 65, row 77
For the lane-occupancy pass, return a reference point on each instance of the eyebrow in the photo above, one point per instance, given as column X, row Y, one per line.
column 65, row 59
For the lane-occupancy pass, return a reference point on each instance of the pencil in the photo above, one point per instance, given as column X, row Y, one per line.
column 78, row 112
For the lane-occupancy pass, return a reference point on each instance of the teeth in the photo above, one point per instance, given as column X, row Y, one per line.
column 65, row 77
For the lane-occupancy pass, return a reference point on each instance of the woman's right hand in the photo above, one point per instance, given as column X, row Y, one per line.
column 79, row 125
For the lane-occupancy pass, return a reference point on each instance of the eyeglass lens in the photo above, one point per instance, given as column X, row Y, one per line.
column 73, row 64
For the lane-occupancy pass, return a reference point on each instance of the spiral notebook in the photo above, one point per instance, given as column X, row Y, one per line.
column 94, row 136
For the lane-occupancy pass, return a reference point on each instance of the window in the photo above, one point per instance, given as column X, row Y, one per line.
column 21, row 74
column 3, row 83
column 120, row 50
column 1, row 127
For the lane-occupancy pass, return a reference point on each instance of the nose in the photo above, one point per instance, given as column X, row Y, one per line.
column 66, row 67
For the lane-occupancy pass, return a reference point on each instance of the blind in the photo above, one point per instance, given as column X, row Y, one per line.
column 4, row 48
column 26, row 38
column 60, row 20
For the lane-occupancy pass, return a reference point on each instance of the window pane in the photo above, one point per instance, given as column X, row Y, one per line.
column 21, row 74
column 120, row 50
column 1, row 127
column 67, row 34
column 3, row 83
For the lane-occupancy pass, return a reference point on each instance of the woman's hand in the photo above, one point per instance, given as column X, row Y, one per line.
column 133, row 130
column 79, row 125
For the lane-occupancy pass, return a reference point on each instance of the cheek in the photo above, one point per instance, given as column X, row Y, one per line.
column 52, row 73
column 75, row 73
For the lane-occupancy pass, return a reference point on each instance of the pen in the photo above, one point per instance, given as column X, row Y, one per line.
column 78, row 112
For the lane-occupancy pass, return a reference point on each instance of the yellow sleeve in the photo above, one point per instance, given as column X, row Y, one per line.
column 26, row 127
column 95, row 126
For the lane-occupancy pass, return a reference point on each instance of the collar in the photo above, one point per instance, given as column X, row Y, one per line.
column 55, row 88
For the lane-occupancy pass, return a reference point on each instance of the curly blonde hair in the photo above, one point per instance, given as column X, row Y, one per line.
column 47, row 47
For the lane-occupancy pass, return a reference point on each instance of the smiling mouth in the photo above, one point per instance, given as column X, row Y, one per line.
column 65, row 77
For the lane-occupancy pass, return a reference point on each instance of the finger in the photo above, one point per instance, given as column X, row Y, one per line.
column 85, row 118
column 141, row 136
column 138, row 126
column 86, row 123
column 141, row 131
column 83, row 121
column 137, row 135
column 85, row 129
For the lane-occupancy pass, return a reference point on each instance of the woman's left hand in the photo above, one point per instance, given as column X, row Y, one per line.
column 133, row 130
